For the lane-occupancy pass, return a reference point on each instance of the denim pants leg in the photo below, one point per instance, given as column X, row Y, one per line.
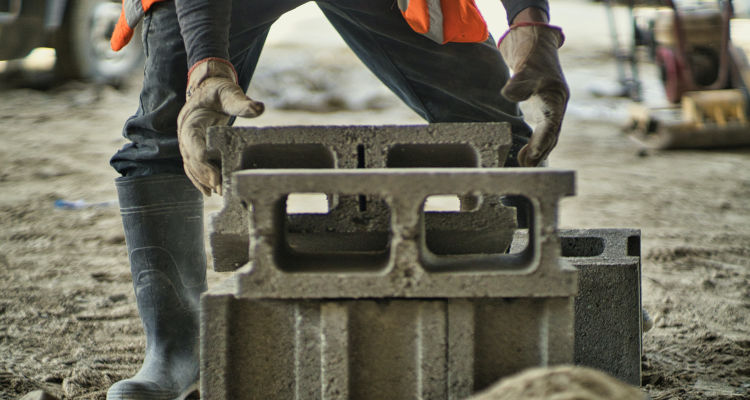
column 152, row 131
column 453, row 82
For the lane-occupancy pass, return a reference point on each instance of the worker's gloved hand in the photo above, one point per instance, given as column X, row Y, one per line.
column 213, row 95
column 530, row 49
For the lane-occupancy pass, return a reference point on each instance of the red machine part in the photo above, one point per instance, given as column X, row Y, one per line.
column 678, row 73
column 672, row 73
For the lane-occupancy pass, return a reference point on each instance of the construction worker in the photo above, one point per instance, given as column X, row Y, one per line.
column 200, row 58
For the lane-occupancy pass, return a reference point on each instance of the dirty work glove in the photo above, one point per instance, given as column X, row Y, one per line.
column 212, row 97
column 530, row 50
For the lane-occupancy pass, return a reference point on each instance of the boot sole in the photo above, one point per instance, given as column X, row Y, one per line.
column 144, row 395
column 189, row 391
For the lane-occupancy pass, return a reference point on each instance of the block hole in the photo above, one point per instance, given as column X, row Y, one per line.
column 443, row 203
column 634, row 246
column 443, row 155
column 361, row 163
column 582, row 246
column 275, row 156
column 434, row 155
column 485, row 237
column 307, row 203
column 319, row 236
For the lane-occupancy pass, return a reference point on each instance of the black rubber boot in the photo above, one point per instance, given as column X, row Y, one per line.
column 163, row 220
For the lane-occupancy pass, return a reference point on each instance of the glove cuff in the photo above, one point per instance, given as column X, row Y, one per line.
column 543, row 25
column 209, row 68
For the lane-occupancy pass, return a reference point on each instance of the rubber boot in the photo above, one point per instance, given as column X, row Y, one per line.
column 163, row 220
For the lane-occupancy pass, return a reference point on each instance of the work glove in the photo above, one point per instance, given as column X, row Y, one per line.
column 530, row 50
column 213, row 97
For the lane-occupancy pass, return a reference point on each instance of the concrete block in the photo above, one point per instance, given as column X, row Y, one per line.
column 375, row 349
column 443, row 145
column 404, row 266
column 608, row 305
column 608, row 323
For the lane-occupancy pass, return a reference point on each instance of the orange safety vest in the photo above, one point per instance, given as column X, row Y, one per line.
column 442, row 21
column 445, row 21
column 131, row 14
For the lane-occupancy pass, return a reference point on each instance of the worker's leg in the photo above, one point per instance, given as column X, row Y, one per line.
column 162, row 212
column 162, row 216
column 251, row 21
column 455, row 82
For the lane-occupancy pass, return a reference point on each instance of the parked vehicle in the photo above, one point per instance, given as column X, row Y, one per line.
column 78, row 30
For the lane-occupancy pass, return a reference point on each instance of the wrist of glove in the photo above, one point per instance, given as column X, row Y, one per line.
column 212, row 98
column 530, row 50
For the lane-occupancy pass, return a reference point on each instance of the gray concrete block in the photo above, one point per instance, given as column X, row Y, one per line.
column 405, row 266
column 375, row 349
column 450, row 145
column 608, row 305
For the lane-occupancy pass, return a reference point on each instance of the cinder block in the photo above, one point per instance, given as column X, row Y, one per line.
column 444, row 145
column 375, row 349
column 608, row 306
column 404, row 266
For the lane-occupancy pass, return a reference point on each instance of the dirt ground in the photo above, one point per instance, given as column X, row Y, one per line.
column 68, row 321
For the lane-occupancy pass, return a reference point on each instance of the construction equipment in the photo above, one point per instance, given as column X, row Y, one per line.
column 626, row 58
column 705, row 79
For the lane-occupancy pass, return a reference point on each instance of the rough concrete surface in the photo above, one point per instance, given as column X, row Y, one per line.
column 444, row 145
column 402, row 267
column 608, row 313
column 237, row 331
column 238, row 317
column 375, row 348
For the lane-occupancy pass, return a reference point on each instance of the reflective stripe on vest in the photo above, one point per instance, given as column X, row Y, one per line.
column 445, row 21
column 131, row 14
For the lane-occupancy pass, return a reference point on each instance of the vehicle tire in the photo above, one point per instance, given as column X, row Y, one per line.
column 83, row 49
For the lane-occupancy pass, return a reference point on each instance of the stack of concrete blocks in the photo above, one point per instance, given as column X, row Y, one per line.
column 472, row 145
column 378, row 298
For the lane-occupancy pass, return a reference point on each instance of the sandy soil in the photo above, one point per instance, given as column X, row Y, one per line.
column 68, row 322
